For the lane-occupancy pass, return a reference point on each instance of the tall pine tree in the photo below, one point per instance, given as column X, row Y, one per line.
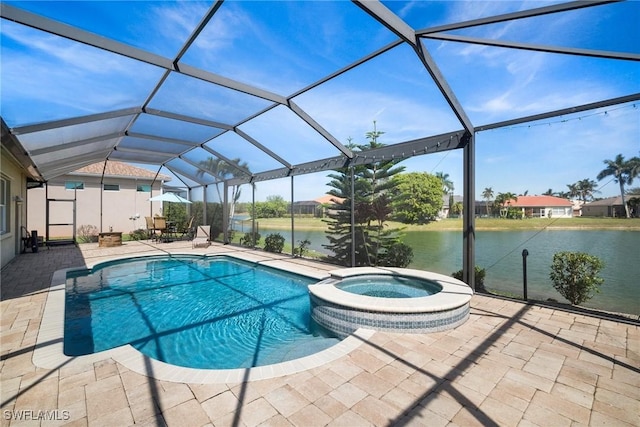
column 372, row 189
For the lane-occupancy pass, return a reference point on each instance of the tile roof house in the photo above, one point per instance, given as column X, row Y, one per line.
column 317, row 207
column 609, row 207
column 543, row 206
column 112, row 197
column 328, row 199
column 446, row 209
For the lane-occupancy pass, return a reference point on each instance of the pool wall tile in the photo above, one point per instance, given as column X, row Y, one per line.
column 344, row 320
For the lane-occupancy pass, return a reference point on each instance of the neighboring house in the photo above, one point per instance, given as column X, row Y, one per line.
column 609, row 207
column 481, row 208
column 446, row 209
column 307, row 207
column 327, row 204
column 16, row 173
column 577, row 207
column 543, row 206
column 111, row 198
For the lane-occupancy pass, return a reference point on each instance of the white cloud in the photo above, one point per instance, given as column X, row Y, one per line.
column 61, row 53
column 348, row 112
column 228, row 25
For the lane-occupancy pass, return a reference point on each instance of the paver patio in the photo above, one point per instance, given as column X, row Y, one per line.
column 510, row 364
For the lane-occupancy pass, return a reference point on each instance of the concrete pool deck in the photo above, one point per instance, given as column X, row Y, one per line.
column 510, row 364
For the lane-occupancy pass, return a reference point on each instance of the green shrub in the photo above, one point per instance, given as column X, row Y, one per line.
column 87, row 234
column 399, row 255
column 480, row 274
column 303, row 248
column 250, row 239
column 575, row 275
column 274, row 243
column 139, row 234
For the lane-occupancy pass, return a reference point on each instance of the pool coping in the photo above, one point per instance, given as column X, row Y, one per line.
column 49, row 348
column 454, row 293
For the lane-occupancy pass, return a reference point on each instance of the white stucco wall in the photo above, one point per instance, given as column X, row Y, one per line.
column 10, row 240
column 94, row 206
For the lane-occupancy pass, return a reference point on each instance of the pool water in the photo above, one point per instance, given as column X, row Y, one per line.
column 387, row 286
column 198, row 312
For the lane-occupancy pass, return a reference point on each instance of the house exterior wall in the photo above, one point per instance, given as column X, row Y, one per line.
column 596, row 211
column 547, row 212
column 103, row 209
column 311, row 208
column 13, row 212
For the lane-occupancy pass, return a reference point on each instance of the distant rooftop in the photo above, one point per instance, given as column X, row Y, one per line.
column 535, row 201
column 119, row 169
column 609, row 201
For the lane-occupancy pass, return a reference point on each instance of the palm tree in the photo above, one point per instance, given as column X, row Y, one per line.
column 623, row 173
column 487, row 194
column 223, row 170
column 447, row 184
column 504, row 201
column 634, row 164
column 573, row 190
column 586, row 188
column 447, row 187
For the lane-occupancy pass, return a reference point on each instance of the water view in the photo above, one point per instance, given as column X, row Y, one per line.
column 500, row 253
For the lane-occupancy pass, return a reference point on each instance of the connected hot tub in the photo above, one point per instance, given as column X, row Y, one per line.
column 389, row 299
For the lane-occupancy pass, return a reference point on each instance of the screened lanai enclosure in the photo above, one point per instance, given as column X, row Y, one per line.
column 257, row 95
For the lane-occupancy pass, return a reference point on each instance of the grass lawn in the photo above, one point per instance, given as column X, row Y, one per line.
column 580, row 223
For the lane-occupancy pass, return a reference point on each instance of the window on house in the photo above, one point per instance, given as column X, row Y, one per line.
column 5, row 192
column 144, row 188
column 74, row 185
column 111, row 187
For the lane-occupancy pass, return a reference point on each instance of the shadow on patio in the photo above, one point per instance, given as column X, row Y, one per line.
column 510, row 364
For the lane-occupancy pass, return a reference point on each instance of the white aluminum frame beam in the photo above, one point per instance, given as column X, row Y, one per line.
column 529, row 13
column 433, row 144
column 74, row 33
column 535, row 47
column 316, row 126
column 73, row 144
column 54, row 124
column 561, row 112
column 386, row 17
column 162, row 139
column 206, row 171
column 177, row 170
column 190, row 119
column 262, row 147
column 390, row 20
column 227, row 160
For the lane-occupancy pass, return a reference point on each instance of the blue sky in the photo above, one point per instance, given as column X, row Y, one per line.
column 282, row 47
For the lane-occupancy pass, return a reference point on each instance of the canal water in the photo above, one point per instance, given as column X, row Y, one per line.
column 500, row 253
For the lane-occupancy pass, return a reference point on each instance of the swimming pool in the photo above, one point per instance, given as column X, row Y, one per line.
column 389, row 299
column 389, row 286
column 192, row 311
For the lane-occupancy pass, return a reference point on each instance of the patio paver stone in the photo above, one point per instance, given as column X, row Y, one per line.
column 510, row 364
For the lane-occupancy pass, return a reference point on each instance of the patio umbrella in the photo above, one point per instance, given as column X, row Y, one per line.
column 169, row 197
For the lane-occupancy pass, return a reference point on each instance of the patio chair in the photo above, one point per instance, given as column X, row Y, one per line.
column 188, row 229
column 160, row 224
column 203, row 232
column 151, row 229
column 25, row 240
